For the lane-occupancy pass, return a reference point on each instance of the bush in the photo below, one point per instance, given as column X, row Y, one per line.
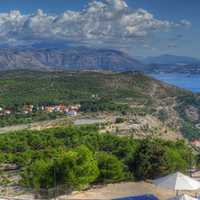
column 155, row 158
column 75, row 168
column 176, row 161
column 38, row 175
column 102, row 105
column 111, row 169
column 150, row 160
column 163, row 115
column 190, row 131
column 119, row 120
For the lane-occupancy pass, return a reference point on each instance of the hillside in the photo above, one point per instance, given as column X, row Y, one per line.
column 18, row 87
column 142, row 101
column 69, row 58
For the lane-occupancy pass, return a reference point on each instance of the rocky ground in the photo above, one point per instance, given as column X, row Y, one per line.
column 133, row 125
column 112, row 191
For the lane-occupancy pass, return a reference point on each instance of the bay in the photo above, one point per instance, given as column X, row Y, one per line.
column 187, row 81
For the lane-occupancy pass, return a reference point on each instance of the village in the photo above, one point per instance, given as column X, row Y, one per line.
column 70, row 110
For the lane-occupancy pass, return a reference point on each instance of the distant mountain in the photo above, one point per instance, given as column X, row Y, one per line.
column 79, row 58
column 83, row 58
column 171, row 60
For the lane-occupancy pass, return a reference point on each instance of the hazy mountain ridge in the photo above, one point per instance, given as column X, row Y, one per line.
column 171, row 60
column 70, row 59
column 172, row 64
column 83, row 58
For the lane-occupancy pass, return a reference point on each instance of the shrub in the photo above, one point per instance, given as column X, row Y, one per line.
column 75, row 168
column 119, row 120
column 155, row 158
column 111, row 169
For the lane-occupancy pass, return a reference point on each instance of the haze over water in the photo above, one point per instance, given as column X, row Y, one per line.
column 186, row 81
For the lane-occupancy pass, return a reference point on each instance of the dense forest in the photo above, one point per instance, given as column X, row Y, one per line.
column 80, row 156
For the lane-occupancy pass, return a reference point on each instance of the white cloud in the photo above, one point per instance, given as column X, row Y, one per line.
column 106, row 21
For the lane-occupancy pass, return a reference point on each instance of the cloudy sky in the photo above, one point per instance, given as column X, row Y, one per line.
column 140, row 27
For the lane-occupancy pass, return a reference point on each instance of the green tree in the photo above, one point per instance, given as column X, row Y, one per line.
column 175, row 160
column 111, row 169
column 38, row 175
column 75, row 168
column 150, row 160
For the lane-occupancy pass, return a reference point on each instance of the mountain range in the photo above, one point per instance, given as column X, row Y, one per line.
column 79, row 58
column 83, row 58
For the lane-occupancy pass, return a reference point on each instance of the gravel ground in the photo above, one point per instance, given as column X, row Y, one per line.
column 117, row 190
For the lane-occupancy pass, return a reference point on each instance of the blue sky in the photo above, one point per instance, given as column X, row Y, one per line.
column 169, row 32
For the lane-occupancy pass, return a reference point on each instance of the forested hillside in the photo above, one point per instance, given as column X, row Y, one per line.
column 79, row 156
column 126, row 93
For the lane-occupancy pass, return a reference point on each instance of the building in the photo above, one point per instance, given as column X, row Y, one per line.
column 196, row 143
column 28, row 109
column 7, row 112
column 72, row 113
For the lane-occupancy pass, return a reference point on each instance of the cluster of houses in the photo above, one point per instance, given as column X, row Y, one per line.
column 71, row 110
column 196, row 143
column 4, row 112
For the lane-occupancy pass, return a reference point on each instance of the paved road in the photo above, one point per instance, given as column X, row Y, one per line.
column 51, row 123
column 14, row 128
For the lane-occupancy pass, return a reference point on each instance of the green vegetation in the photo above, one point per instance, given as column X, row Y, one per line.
column 190, row 131
column 79, row 156
column 76, row 168
column 26, row 87
column 119, row 120
column 15, row 119
column 95, row 91
column 163, row 115
column 102, row 105
column 165, row 158
column 188, row 128
column 186, row 101
column 111, row 168
column 126, row 93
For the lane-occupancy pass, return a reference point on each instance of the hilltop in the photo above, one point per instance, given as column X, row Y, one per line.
column 144, row 104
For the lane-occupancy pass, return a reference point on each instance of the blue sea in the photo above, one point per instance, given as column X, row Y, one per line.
column 186, row 81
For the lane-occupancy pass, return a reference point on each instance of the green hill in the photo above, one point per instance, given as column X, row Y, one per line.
column 130, row 92
column 19, row 87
